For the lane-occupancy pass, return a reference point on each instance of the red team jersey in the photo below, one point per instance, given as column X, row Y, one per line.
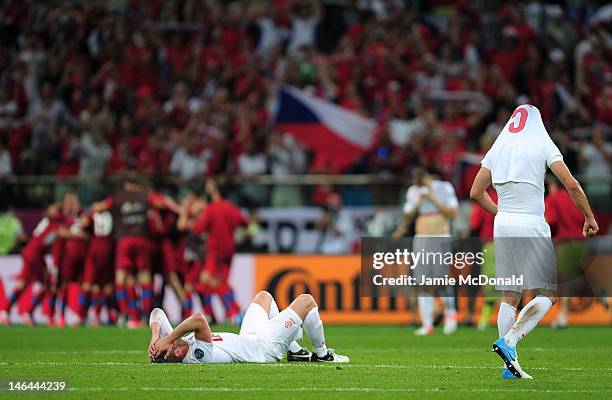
column 45, row 233
column 75, row 249
column 220, row 219
column 99, row 259
column 481, row 221
column 564, row 215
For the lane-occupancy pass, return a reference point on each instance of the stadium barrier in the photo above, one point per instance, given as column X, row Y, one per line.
column 332, row 280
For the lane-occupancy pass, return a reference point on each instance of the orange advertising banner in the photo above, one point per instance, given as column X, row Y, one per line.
column 334, row 282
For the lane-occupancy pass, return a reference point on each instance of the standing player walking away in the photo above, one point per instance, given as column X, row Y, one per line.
column 220, row 219
column 265, row 335
column 516, row 166
column 435, row 204
column 34, row 268
column 565, row 219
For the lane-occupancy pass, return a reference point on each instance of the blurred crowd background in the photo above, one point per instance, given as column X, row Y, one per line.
column 180, row 90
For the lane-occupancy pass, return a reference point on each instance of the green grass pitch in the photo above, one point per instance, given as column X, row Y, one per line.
column 386, row 362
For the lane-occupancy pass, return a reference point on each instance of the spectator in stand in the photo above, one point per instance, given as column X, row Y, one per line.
column 304, row 23
column 189, row 165
column 286, row 158
column 336, row 228
column 251, row 163
column 6, row 163
column 568, row 150
column 95, row 153
column 180, row 105
column 47, row 114
column 596, row 161
column 8, row 110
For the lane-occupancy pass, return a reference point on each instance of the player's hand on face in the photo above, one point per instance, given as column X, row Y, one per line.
column 162, row 346
column 151, row 347
column 590, row 228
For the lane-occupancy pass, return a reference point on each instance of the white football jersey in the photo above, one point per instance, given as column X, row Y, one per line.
column 225, row 348
column 443, row 191
column 518, row 161
column 523, row 150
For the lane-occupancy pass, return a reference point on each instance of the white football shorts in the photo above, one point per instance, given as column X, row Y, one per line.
column 523, row 248
column 274, row 334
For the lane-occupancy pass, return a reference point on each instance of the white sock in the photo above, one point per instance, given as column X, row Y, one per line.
column 314, row 329
column 528, row 319
column 426, row 309
column 294, row 346
column 505, row 318
column 449, row 305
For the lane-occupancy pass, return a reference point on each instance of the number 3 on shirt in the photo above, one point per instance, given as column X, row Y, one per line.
column 514, row 127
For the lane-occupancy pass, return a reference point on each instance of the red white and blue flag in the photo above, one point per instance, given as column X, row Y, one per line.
column 326, row 128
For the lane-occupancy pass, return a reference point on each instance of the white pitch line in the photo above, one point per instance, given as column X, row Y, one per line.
column 89, row 352
column 319, row 389
column 307, row 365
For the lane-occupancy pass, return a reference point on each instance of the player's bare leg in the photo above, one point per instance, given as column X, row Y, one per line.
column 306, row 308
column 295, row 351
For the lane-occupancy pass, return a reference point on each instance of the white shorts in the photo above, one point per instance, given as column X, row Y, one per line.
column 523, row 248
column 274, row 334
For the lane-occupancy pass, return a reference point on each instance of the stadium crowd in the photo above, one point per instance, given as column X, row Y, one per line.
column 184, row 87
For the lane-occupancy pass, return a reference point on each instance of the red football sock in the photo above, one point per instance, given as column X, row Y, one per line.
column 132, row 304
column 205, row 293
column 224, row 290
column 98, row 302
column 122, row 298
column 147, row 298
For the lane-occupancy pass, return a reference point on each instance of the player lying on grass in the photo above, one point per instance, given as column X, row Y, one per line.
column 265, row 335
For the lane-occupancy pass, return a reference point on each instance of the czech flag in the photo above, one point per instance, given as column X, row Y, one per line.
column 329, row 130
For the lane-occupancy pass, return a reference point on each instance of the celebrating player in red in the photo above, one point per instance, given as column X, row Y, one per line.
column 34, row 267
column 74, row 248
column 220, row 220
column 97, row 286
